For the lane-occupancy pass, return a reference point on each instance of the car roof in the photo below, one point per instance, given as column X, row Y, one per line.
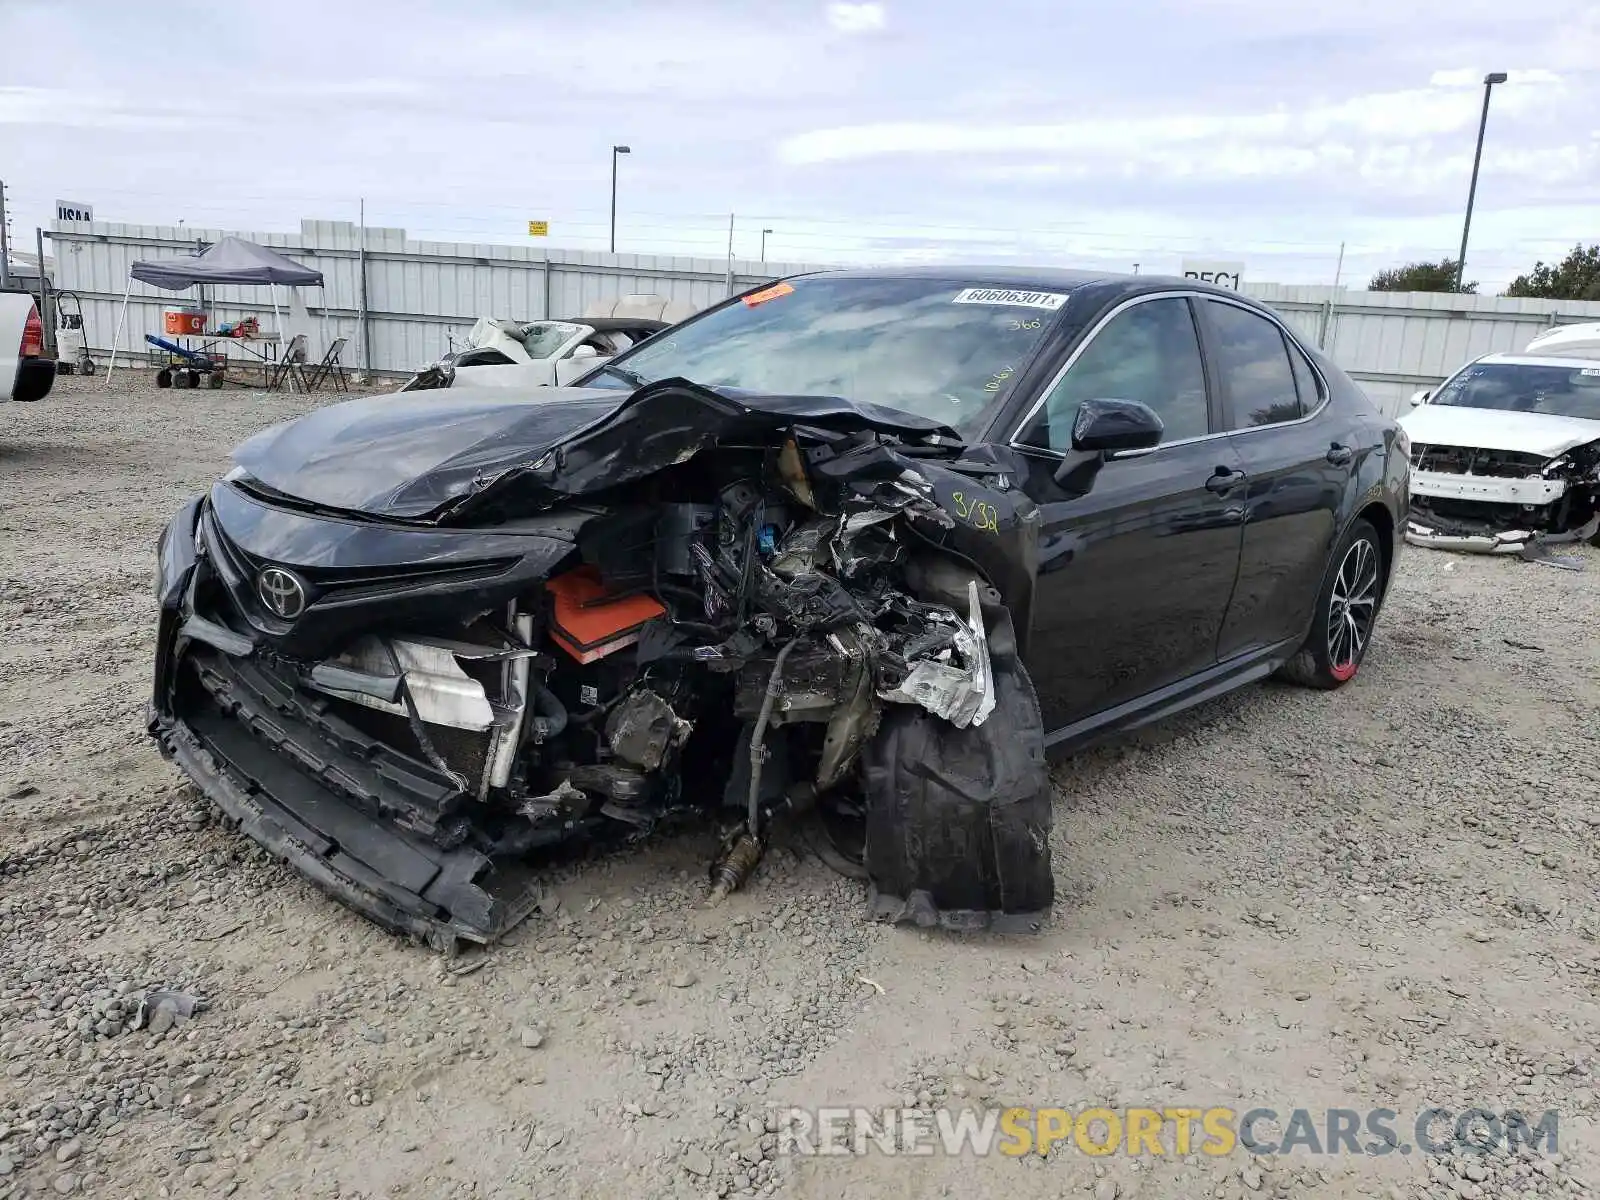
column 1040, row 279
column 1033, row 278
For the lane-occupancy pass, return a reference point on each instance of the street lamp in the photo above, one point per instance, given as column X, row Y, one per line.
column 1466, row 226
column 764, row 233
column 615, row 150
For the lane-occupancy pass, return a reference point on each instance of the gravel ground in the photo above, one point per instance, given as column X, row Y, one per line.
column 1379, row 898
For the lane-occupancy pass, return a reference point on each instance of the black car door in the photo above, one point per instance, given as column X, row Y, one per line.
column 1298, row 467
column 1134, row 574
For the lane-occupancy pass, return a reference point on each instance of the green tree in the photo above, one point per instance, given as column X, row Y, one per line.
column 1575, row 277
column 1420, row 277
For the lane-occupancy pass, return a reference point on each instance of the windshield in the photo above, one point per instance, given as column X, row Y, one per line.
column 544, row 338
column 1524, row 387
column 937, row 348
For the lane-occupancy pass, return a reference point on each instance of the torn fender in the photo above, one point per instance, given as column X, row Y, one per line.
column 958, row 820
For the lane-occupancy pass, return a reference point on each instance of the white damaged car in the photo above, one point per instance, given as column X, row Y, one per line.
column 1505, row 454
column 533, row 354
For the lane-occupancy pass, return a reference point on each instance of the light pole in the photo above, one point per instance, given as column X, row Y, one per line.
column 615, row 150
column 764, row 233
column 1477, row 156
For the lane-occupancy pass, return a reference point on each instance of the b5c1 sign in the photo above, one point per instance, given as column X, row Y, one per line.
column 1222, row 274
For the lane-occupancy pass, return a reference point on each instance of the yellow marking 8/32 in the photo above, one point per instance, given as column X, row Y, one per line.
column 977, row 512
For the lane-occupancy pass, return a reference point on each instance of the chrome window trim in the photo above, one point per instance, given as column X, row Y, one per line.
column 1044, row 393
column 1324, row 391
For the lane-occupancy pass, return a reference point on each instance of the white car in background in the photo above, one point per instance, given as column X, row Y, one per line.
column 26, row 372
column 1567, row 341
column 1505, row 454
column 524, row 354
column 510, row 354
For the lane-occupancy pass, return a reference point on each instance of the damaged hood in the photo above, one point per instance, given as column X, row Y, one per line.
column 1495, row 429
column 404, row 454
column 427, row 455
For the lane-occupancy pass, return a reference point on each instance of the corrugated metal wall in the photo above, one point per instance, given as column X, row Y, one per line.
column 419, row 293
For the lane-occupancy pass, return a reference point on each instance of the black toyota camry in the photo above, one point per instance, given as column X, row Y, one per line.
column 838, row 559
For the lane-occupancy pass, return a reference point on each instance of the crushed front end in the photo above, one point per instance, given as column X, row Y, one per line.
column 1495, row 501
column 362, row 759
column 784, row 624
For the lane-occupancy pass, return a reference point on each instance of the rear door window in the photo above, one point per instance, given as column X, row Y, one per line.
column 1254, row 363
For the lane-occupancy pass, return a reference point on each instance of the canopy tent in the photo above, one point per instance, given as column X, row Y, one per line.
column 231, row 260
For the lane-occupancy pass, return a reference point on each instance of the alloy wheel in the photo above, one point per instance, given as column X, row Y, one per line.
column 1352, row 607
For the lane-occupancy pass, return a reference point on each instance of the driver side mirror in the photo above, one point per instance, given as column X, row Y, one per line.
column 1420, row 397
column 1104, row 427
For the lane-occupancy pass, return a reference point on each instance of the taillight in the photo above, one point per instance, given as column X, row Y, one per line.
column 32, row 334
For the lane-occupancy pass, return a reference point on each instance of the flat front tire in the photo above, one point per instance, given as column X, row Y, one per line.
column 1346, row 613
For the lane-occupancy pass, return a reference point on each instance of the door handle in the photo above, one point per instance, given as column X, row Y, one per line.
column 1340, row 455
column 1223, row 480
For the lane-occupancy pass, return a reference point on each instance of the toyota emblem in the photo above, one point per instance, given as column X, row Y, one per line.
column 281, row 592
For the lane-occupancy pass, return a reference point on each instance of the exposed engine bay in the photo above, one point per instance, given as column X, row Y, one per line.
column 1500, row 501
column 781, row 625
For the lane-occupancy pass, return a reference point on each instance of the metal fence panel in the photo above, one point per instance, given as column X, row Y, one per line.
column 420, row 293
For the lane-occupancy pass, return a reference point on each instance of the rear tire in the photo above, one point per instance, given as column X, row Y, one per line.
column 1346, row 613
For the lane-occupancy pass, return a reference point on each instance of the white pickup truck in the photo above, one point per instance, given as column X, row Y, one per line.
column 25, row 372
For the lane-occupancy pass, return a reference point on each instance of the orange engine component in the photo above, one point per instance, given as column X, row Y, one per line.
column 588, row 623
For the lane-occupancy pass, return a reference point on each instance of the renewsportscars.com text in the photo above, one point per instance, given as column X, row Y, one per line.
column 1162, row 1132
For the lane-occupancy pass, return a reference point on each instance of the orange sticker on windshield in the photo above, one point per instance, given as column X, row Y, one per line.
column 771, row 293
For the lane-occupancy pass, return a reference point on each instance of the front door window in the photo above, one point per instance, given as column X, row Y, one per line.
column 1149, row 353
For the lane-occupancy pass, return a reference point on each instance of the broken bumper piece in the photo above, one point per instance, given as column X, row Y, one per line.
column 1509, row 542
column 301, row 798
column 405, row 884
column 1524, row 542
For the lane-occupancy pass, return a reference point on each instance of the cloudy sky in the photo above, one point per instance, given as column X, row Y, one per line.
column 1092, row 133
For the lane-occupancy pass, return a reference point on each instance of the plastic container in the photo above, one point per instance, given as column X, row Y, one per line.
column 181, row 322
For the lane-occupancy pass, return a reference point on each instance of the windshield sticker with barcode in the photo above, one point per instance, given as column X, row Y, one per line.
column 769, row 293
column 1589, row 371
column 1046, row 300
